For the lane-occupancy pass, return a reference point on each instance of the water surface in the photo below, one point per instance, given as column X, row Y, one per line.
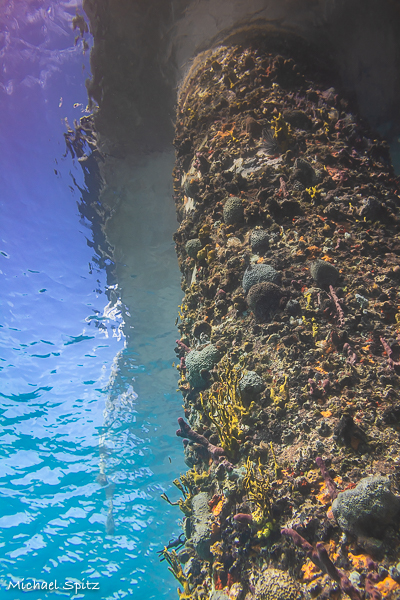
column 87, row 419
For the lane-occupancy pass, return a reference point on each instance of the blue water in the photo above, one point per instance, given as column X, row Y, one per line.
column 83, row 457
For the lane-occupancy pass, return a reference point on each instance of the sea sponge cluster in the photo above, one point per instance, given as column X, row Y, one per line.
column 294, row 322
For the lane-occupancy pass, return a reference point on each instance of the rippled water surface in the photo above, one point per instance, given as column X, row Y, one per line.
column 83, row 457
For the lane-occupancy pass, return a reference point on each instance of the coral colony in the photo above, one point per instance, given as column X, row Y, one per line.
column 289, row 347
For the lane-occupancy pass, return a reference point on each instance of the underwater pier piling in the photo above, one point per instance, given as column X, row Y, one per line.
column 288, row 244
column 289, row 352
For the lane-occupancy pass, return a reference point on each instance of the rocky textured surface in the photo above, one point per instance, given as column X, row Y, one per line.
column 201, row 524
column 251, row 384
column 263, row 122
column 368, row 508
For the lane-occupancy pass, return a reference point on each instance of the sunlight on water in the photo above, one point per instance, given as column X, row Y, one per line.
column 87, row 428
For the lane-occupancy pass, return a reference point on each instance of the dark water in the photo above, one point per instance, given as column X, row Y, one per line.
column 87, row 426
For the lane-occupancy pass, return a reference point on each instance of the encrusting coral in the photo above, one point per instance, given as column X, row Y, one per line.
column 289, row 248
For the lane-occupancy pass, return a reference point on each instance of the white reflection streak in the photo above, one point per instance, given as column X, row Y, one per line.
column 117, row 402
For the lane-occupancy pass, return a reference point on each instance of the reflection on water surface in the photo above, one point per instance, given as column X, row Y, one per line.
column 87, row 418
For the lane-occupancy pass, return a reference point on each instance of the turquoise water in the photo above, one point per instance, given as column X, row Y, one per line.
column 87, row 426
